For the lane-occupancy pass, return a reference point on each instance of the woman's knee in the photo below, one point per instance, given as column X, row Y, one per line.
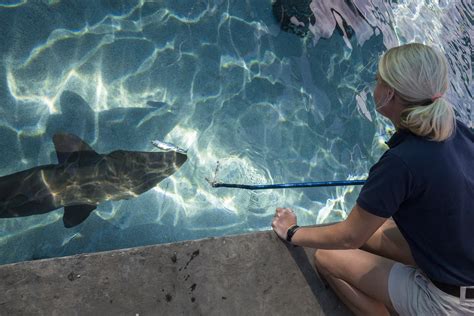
column 322, row 260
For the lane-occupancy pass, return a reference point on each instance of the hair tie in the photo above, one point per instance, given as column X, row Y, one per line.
column 436, row 96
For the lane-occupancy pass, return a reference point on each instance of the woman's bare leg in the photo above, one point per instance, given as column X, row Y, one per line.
column 359, row 278
column 388, row 242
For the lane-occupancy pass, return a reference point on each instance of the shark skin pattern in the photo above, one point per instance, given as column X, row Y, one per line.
column 83, row 179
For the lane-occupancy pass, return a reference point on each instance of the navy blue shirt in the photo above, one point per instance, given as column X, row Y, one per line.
column 428, row 189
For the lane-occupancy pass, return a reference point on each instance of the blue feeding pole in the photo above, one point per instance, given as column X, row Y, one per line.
column 286, row 185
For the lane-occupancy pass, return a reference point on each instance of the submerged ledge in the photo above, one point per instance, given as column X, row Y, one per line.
column 252, row 274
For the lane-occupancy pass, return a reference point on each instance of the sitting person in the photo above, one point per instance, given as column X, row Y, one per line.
column 407, row 245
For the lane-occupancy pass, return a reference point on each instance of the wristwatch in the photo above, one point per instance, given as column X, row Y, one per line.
column 291, row 231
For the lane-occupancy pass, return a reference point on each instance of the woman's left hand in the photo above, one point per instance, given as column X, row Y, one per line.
column 284, row 218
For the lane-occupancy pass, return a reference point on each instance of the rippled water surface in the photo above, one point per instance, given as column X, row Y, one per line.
column 220, row 78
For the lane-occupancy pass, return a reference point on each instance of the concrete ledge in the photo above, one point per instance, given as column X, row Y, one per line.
column 253, row 274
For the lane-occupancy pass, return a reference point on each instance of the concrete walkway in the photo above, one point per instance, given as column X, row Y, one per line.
column 253, row 274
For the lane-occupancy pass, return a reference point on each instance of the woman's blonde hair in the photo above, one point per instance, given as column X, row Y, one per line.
column 419, row 75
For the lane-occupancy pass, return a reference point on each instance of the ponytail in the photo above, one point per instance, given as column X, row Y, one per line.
column 419, row 75
column 435, row 121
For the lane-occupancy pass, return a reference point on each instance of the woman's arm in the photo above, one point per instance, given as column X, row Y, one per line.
column 351, row 233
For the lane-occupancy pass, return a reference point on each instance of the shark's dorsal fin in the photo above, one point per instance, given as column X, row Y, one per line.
column 76, row 214
column 67, row 144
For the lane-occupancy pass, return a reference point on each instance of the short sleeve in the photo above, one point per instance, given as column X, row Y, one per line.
column 387, row 187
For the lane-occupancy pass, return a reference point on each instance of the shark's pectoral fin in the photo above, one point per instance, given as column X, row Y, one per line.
column 74, row 215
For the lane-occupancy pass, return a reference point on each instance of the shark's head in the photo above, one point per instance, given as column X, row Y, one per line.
column 144, row 170
column 162, row 164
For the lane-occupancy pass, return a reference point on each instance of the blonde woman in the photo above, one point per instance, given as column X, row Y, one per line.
column 408, row 244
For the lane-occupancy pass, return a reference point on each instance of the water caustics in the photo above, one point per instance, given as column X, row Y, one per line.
column 220, row 78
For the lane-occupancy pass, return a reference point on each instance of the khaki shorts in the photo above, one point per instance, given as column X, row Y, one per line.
column 412, row 293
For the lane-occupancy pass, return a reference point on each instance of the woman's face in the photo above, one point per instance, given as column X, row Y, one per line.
column 382, row 96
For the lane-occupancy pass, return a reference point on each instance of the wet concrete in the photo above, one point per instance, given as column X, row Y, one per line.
column 253, row 274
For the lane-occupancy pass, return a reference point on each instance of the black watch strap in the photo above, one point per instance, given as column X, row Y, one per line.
column 291, row 231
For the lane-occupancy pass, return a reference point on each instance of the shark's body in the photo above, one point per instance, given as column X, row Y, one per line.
column 82, row 179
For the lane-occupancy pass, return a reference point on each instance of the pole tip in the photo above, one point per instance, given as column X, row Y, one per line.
column 212, row 183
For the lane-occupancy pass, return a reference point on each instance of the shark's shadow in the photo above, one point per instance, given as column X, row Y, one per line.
column 126, row 125
column 105, row 130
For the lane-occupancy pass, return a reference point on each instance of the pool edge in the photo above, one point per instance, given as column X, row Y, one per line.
column 253, row 274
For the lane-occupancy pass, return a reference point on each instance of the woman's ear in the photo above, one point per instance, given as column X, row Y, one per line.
column 391, row 93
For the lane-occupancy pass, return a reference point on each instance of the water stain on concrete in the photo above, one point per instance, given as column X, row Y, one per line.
column 193, row 255
column 73, row 276
column 174, row 258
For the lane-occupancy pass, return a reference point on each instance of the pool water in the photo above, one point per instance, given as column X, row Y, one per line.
column 220, row 78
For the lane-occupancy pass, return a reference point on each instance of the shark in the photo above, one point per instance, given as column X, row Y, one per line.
column 82, row 179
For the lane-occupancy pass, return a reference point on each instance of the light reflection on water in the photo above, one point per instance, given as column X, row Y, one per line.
column 219, row 78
